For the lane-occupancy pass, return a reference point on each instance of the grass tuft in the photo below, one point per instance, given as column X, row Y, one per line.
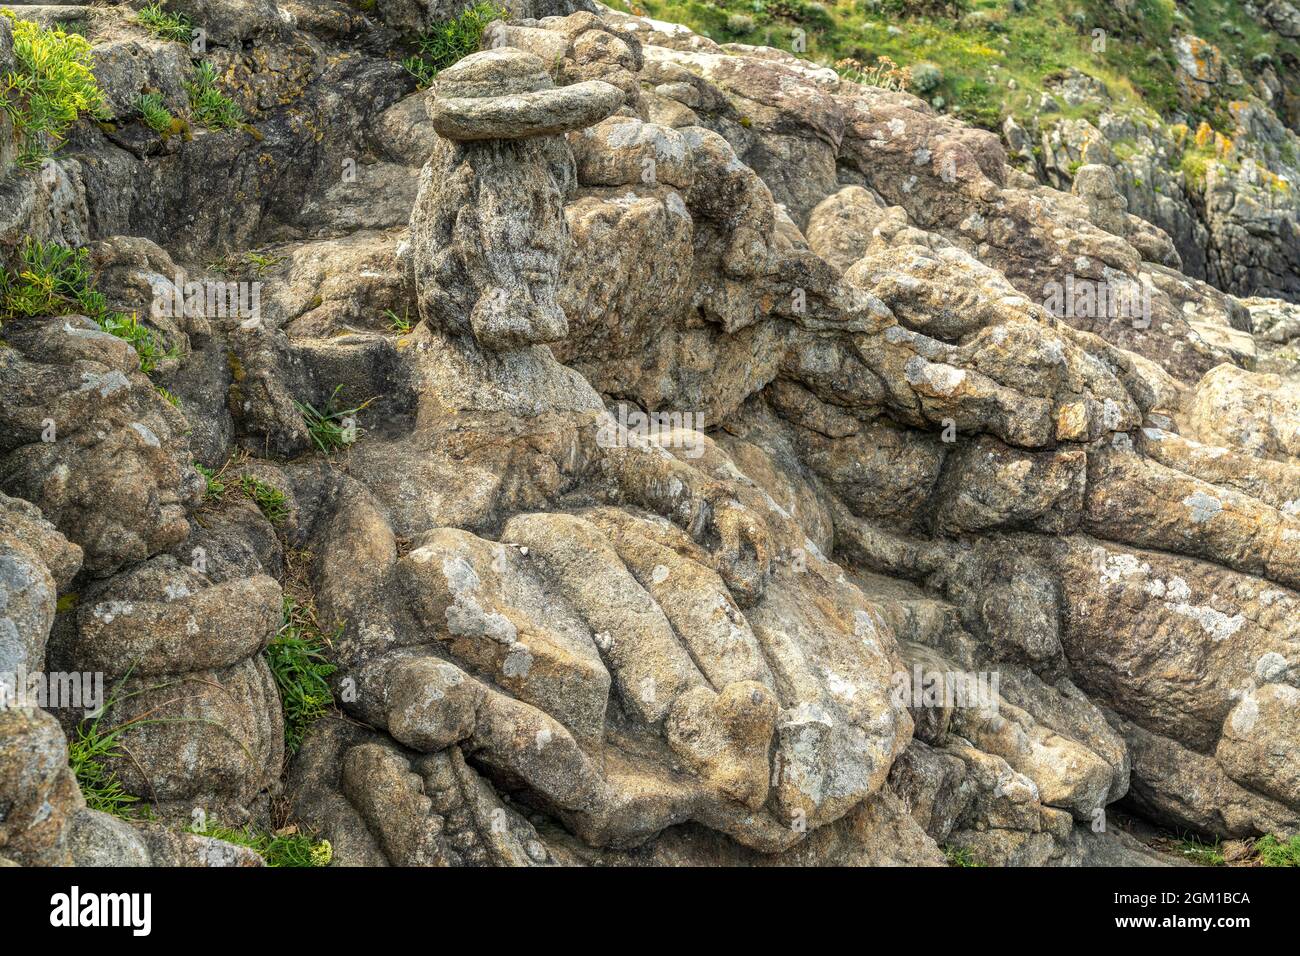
column 401, row 324
column 444, row 43
column 269, row 499
column 211, row 107
column 164, row 25
column 154, row 113
column 1202, row 854
column 215, row 487
column 1274, row 852
column 287, row 847
column 334, row 427
column 88, row 753
column 960, row 856
column 296, row 656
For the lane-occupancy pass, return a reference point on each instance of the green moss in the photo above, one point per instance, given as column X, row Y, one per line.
column 50, row 86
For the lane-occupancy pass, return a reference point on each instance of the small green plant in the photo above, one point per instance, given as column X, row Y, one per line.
column 51, row 85
column 129, row 329
column 282, row 848
column 261, row 262
column 401, row 324
column 88, row 753
column 959, row 856
column 926, row 77
column 1203, row 854
column 334, row 427
column 444, row 43
column 296, row 656
column 211, row 107
column 269, row 499
column 1274, row 852
column 168, row 397
column 51, row 279
column 154, row 113
column 215, row 487
column 164, row 25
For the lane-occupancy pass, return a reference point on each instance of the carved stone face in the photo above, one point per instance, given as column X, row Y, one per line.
column 513, row 242
column 488, row 228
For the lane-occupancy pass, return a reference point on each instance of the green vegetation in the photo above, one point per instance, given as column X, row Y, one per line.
column 51, row 279
column 88, row 752
column 959, row 856
column 445, row 43
column 165, row 26
column 168, row 397
column 401, row 324
column 296, row 656
column 269, row 499
column 260, row 262
column 211, row 107
column 1202, row 854
column 335, row 427
column 49, row 88
column 281, row 848
column 1274, row 852
column 154, row 113
column 988, row 59
column 215, row 486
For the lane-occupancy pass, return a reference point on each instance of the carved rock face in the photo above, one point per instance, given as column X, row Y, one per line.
column 488, row 228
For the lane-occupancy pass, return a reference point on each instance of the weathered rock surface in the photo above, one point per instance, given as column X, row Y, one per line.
column 731, row 473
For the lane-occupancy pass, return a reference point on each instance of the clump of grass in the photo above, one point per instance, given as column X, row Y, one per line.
column 959, row 856
column 334, row 427
column 50, row 86
column 164, row 25
column 211, row 107
column 154, row 113
column 260, row 262
column 1202, row 854
column 168, row 397
column 88, row 754
column 444, row 43
column 401, row 324
column 287, row 847
column 1274, row 852
column 296, row 656
column 269, row 499
column 51, row 279
column 215, row 487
